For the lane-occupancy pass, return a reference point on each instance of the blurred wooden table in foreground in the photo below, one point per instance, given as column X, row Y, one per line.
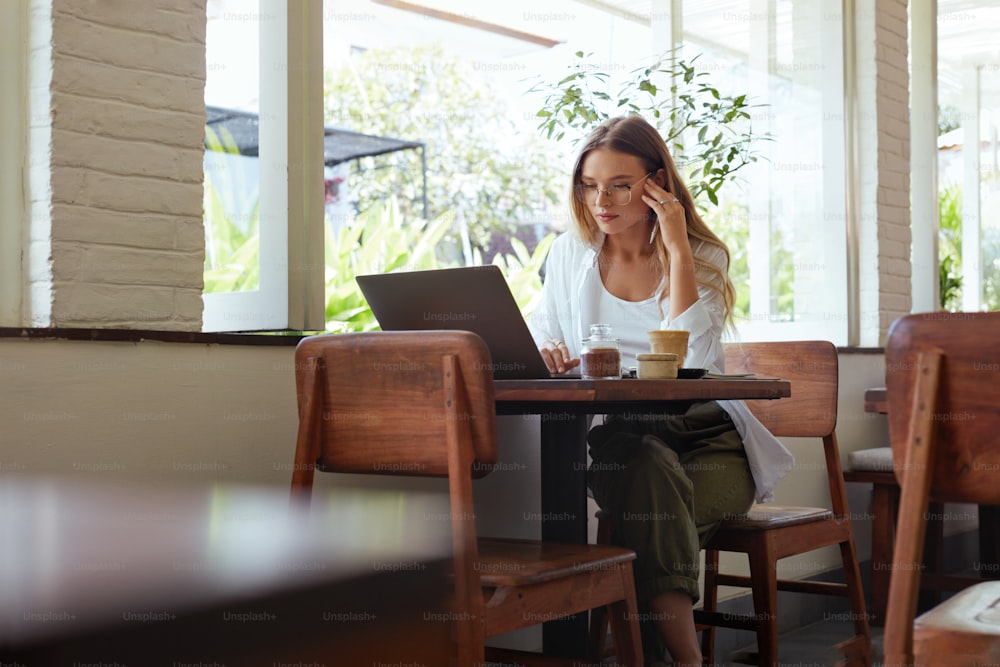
column 105, row 574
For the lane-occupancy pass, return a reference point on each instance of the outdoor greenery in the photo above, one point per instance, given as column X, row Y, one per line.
column 709, row 134
column 480, row 166
column 482, row 175
column 382, row 239
column 379, row 240
column 731, row 221
column 232, row 251
column 950, row 247
column 949, row 118
column 950, row 251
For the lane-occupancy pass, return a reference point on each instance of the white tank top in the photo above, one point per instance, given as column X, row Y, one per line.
column 630, row 322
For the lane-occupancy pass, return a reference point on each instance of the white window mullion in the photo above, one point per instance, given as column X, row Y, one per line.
column 925, row 285
column 759, row 258
column 306, row 272
column 972, row 274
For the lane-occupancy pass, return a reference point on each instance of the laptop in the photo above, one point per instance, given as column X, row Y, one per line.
column 472, row 298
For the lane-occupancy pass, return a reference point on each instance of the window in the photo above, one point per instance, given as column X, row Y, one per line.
column 968, row 177
column 263, row 213
column 788, row 57
column 787, row 227
column 455, row 78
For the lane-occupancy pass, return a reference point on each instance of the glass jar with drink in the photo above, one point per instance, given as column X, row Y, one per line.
column 600, row 355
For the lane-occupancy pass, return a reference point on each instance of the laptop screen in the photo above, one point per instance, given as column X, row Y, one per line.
column 472, row 298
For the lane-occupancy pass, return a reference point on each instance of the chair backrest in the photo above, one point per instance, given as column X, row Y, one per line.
column 385, row 402
column 810, row 367
column 811, row 411
column 942, row 379
column 962, row 405
column 404, row 403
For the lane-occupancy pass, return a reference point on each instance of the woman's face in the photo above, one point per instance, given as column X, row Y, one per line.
column 622, row 173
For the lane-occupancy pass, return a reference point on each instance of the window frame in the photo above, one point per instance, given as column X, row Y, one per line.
column 292, row 269
column 835, row 323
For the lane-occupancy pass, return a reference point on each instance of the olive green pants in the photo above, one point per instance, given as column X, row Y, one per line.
column 668, row 481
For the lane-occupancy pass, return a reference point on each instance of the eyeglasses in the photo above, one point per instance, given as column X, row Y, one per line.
column 620, row 194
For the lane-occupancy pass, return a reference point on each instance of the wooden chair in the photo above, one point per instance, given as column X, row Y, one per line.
column 421, row 403
column 942, row 377
column 769, row 533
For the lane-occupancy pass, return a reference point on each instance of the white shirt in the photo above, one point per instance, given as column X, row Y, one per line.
column 573, row 298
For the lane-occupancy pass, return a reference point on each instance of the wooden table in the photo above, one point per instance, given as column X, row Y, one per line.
column 102, row 573
column 564, row 406
column 877, row 400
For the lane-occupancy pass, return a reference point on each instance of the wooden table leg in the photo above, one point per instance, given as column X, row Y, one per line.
column 885, row 504
column 989, row 542
column 564, row 513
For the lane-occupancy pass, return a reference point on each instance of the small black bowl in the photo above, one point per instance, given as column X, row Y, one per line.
column 690, row 373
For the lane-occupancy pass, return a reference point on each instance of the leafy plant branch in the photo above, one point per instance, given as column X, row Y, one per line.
column 709, row 133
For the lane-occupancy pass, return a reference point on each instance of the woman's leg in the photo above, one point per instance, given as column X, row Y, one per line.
column 639, row 480
column 673, row 613
column 644, row 484
column 722, row 486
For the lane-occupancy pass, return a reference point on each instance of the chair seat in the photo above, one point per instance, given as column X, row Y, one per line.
column 876, row 459
column 511, row 562
column 963, row 623
column 764, row 517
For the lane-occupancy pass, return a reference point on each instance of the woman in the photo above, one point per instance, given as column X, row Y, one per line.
column 639, row 257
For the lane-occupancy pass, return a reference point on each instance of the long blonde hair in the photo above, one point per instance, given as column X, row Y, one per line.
column 634, row 136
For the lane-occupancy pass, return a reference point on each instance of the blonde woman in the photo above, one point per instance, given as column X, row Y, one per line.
column 639, row 257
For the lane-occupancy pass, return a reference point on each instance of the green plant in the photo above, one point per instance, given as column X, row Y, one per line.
column 232, row 251
column 708, row 133
column 950, row 247
column 480, row 164
column 732, row 222
column 380, row 240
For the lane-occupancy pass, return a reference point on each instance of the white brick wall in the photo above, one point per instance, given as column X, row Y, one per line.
column 119, row 243
column 884, row 173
